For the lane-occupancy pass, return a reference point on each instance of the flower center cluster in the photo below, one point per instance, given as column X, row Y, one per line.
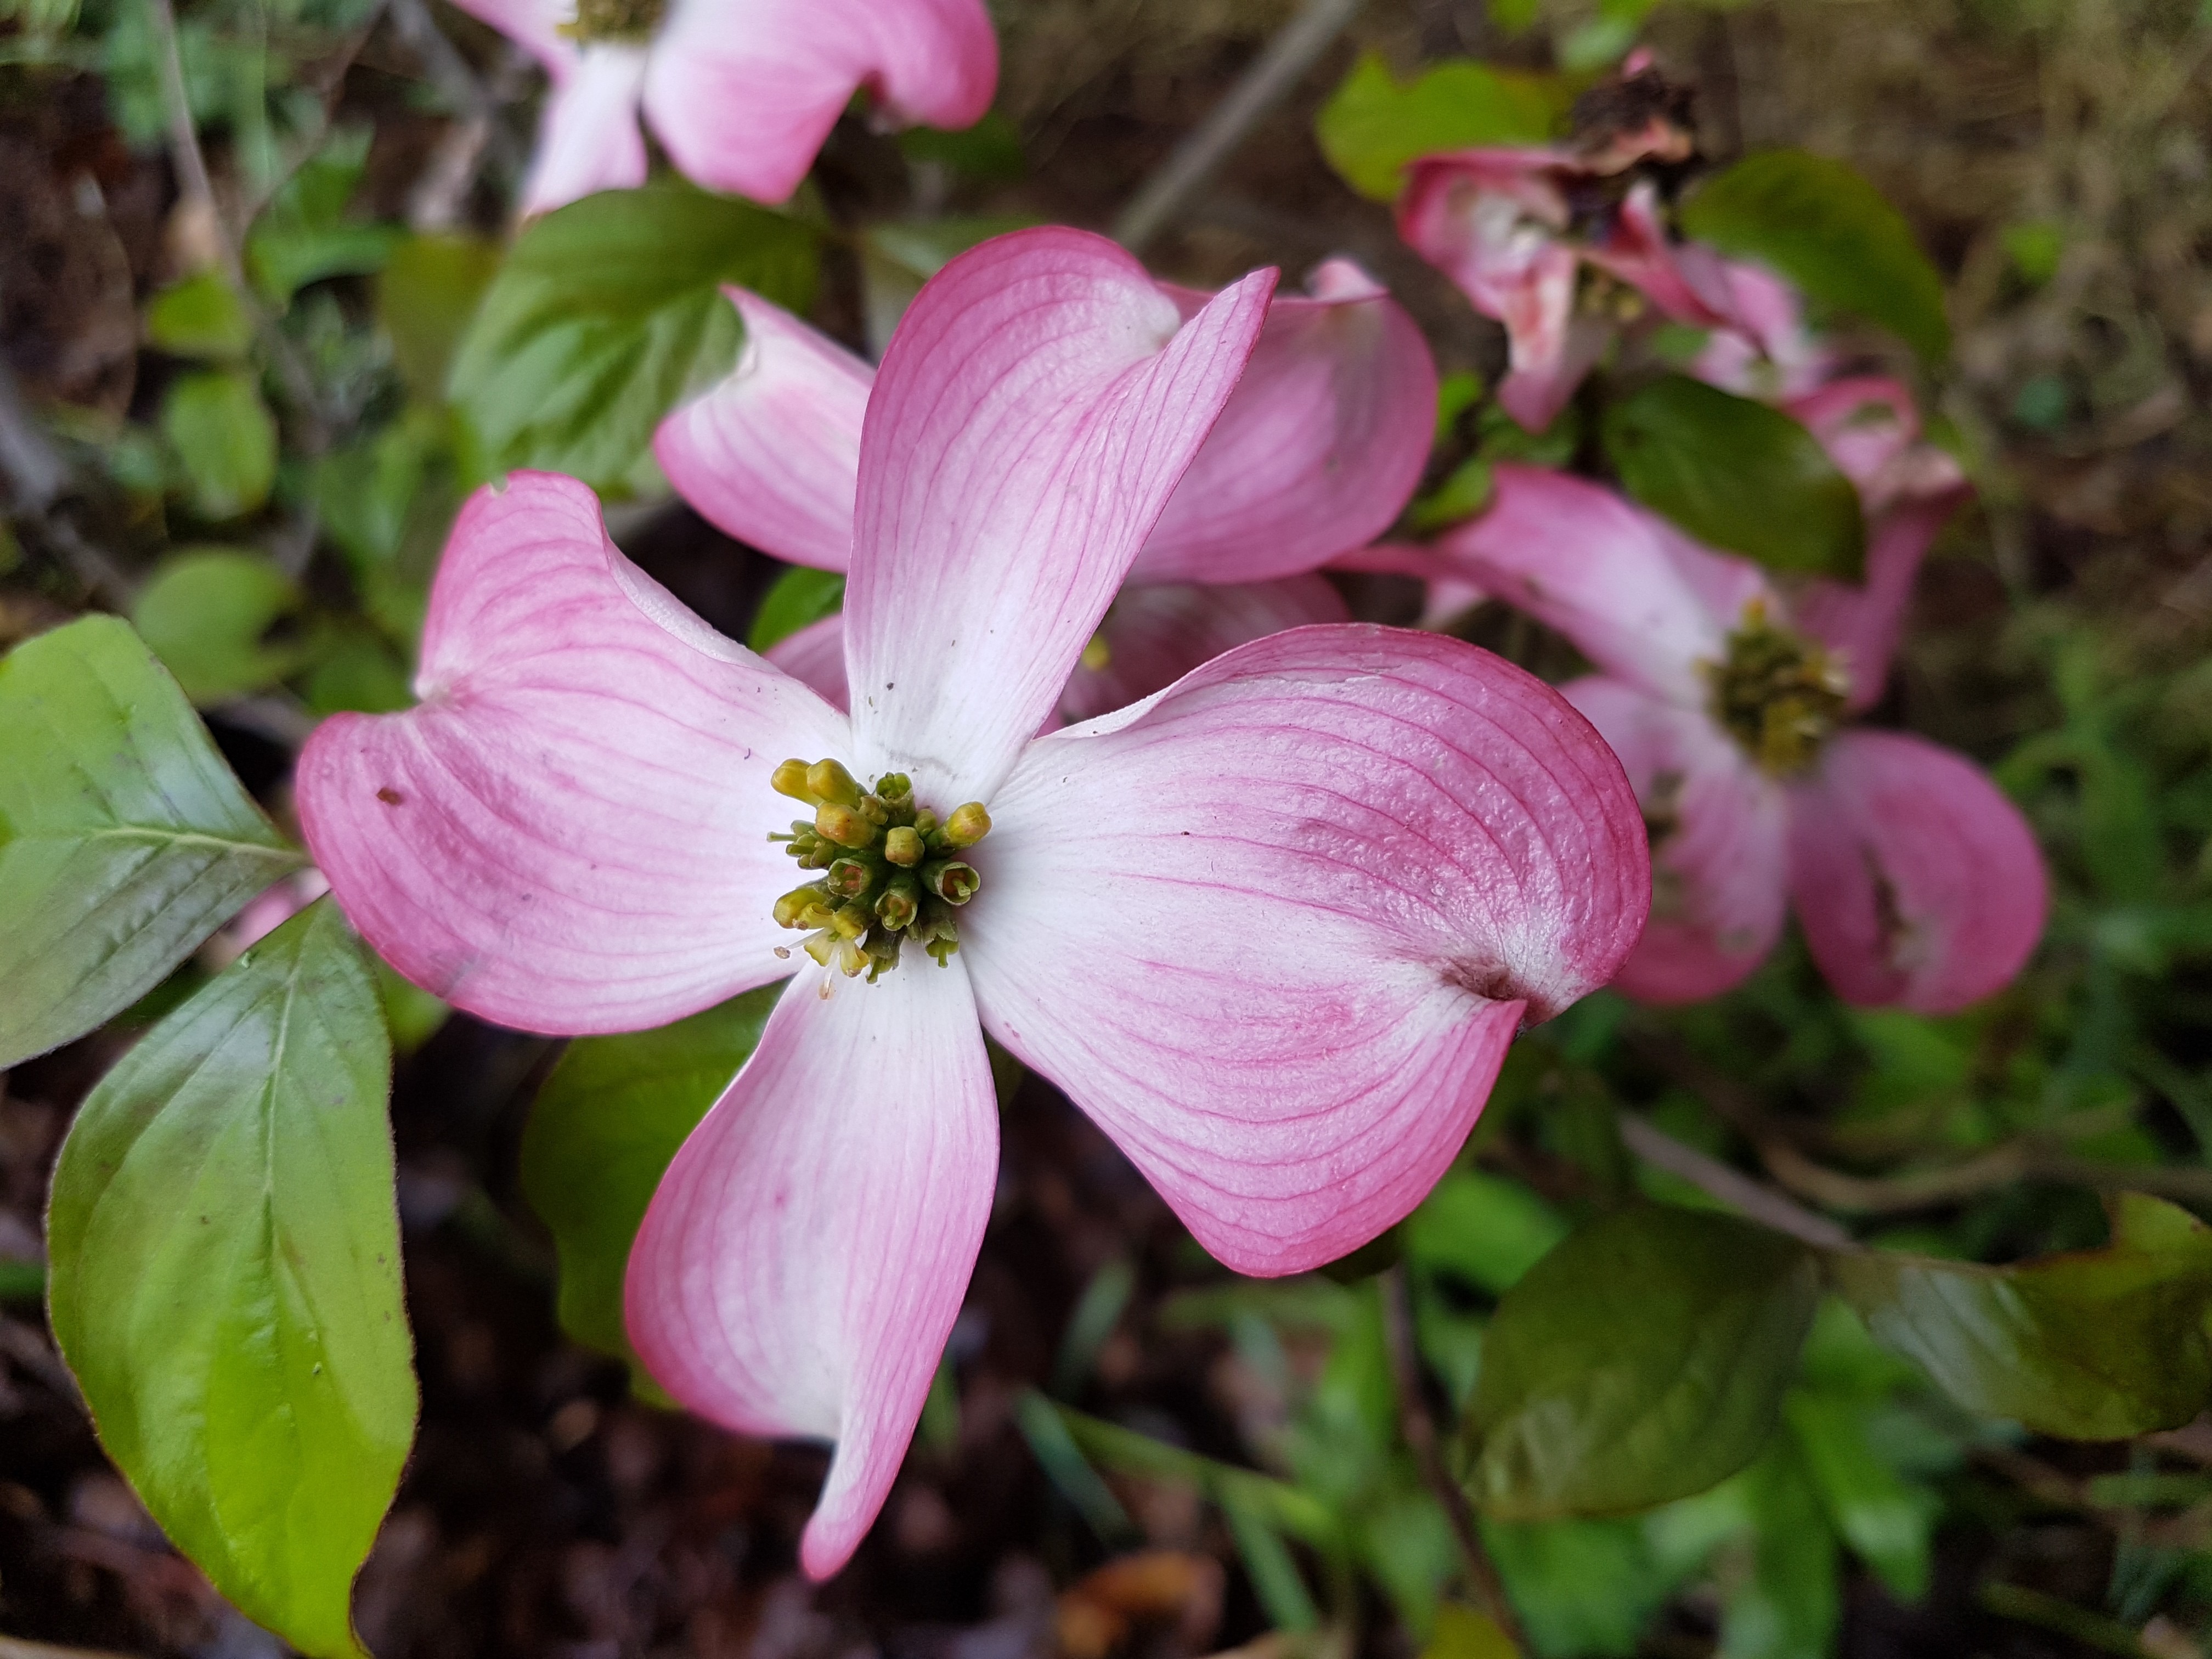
column 892, row 870
column 1777, row 693
column 615, row 19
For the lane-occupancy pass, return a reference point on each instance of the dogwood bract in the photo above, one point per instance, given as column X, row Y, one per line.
column 739, row 93
column 1320, row 446
column 1917, row 883
column 1272, row 928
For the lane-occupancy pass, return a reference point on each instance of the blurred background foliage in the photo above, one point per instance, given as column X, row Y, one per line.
column 244, row 393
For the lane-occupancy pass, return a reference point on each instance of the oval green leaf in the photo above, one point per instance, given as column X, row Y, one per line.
column 1643, row 1360
column 125, row 840
column 1821, row 224
column 1374, row 124
column 1737, row 475
column 608, row 313
column 224, row 1257
column 207, row 610
column 225, row 440
column 2099, row 1344
column 799, row 598
column 607, row 1121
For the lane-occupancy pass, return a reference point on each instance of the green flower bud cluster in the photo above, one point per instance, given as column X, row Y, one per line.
column 892, row 869
column 1777, row 693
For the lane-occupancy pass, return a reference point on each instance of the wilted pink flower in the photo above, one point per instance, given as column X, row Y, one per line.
column 1272, row 928
column 1917, row 883
column 1513, row 229
column 739, row 93
column 1320, row 446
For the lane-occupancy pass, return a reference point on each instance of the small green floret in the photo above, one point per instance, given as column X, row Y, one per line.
column 889, row 871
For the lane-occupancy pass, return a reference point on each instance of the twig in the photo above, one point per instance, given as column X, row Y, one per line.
column 1287, row 56
column 1732, row 1187
column 39, row 478
column 1419, row 1428
column 2022, row 1159
column 199, row 188
column 442, row 192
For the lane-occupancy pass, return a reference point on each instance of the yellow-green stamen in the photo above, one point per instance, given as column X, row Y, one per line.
column 1779, row 694
column 615, row 19
column 890, row 872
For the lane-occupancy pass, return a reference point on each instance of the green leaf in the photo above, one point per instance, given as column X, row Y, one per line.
column 1737, row 475
column 125, row 840
column 1482, row 1228
column 1888, row 1523
column 226, row 439
column 607, row 1121
column 1585, row 1590
column 990, row 152
column 1463, row 1633
column 1821, row 224
column 304, row 236
column 200, row 316
column 205, row 612
column 1374, row 124
column 608, row 313
column 800, row 598
column 429, row 289
column 226, row 1282
column 1643, row 1360
column 2099, row 1344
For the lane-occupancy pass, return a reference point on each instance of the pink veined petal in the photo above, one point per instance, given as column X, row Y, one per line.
column 1720, row 837
column 742, row 93
column 1038, row 405
column 772, row 455
column 1766, row 351
column 1685, row 282
column 1871, row 427
column 1493, row 221
column 1642, row 600
column 1156, row 632
column 1274, row 928
column 533, row 25
column 1320, row 448
column 1862, row 625
column 569, row 832
column 802, row 1263
column 1916, row 882
column 588, row 140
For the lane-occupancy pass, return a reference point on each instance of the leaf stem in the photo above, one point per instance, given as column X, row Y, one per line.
column 1416, row 1423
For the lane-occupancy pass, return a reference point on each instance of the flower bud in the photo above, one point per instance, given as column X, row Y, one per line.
column 832, row 782
column 951, row 880
column 852, row 920
column 804, row 907
column 850, row 878
column 790, row 779
column 895, row 787
column 845, row 826
column 968, row 824
column 902, row 846
column 898, row 903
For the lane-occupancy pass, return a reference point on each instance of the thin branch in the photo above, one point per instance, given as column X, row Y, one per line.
column 39, row 479
column 1285, row 59
column 2023, row 1159
column 1419, row 1428
column 1732, row 1187
column 198, row 187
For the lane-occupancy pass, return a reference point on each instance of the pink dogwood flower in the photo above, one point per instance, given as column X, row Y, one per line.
column 740, row 93
column 1273, row 927
column 1321, row 445
column 1916, row 882
column 1515, row 229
